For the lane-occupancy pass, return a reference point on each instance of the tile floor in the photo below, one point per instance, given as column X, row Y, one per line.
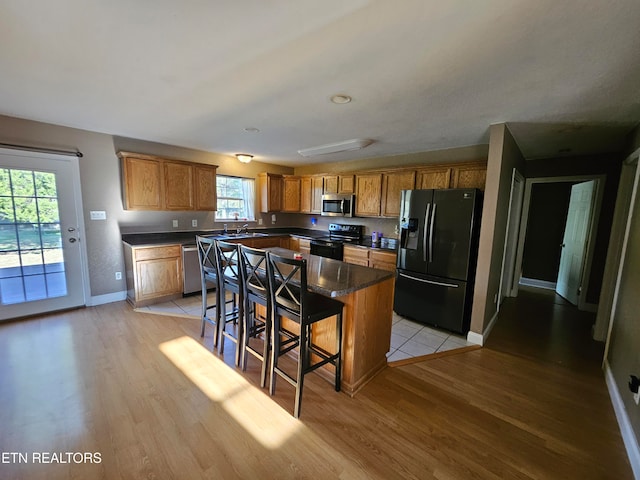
column 408, row 338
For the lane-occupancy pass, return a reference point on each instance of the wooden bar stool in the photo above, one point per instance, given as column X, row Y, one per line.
column 228, row 265
column 291, row 299
column 208, row 274
column 253, row 272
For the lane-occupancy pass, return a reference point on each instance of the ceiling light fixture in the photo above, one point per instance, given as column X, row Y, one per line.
column 340, row 98
column 346, row 146
column 244, row 157
column 252, row 129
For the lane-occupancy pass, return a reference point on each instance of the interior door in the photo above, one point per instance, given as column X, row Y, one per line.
column 574, row 242
column 41, row 259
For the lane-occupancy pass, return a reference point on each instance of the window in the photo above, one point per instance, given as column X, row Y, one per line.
column 236, row 198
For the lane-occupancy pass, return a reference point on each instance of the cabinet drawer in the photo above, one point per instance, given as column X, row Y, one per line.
column 151, row 253
column 358, row 256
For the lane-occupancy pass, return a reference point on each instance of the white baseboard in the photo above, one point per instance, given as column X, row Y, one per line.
column 480, row 338
column 534, row 282
column 107, row 298
column 628, row 435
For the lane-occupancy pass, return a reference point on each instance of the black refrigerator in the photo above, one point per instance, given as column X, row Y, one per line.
column 437, row 256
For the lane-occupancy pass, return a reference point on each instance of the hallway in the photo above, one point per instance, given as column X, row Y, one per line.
column 541, row 325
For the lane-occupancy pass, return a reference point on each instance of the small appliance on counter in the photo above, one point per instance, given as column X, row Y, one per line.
column 331, row 246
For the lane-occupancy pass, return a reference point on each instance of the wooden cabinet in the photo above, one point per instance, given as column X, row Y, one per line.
column 178, row 186
column 316, row 194
column 330, row 184
column 270, row 188
column 311, row 194
column 205, row 187
column 368, row 194
column 433, row 178
column 153, row 273
column 356, row 255
column 346, row 183
column 301, row 245
column 155, row 183
column 392, row 184
column 291, row 197
column 469, row 176
column 384, row 260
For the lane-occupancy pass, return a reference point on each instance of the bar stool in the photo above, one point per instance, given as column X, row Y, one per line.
column 253, row 272
column 208, row 273
column 228, row 265
column 290, row 298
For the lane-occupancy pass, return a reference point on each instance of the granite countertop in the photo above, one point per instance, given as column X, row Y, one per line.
column 334, row 278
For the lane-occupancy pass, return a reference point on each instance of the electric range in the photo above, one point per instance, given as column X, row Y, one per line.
column 331, row 246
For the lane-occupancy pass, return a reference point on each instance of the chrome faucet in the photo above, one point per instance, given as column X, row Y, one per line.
column 226, row 230
column 245, row 227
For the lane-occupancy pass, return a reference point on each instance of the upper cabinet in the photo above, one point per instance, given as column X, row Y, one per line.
column 368, row 194
column 291, row 198
column 270, row 186
column 316, row 194
column 392, row 184
column 155, row 183
column 342, row 184
column 469, row 176
column 432, row 178
column 311, row 194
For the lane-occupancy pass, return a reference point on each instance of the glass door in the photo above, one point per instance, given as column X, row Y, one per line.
column 41, row 267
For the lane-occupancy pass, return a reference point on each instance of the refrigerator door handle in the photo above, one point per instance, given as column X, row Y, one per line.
column 442, row 284
column 433, row 218
column 424, row 237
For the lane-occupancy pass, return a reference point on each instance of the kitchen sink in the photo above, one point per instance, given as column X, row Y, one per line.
column 244, row 235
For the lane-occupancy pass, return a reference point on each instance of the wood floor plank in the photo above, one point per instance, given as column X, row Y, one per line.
column 149, row 395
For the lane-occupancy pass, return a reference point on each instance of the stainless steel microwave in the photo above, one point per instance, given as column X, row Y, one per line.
column 338, row 205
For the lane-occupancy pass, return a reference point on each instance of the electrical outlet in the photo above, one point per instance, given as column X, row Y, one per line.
column 259, row 221
column 175, row 223
column 273, row 218
column 194, row 223
column 118, row 275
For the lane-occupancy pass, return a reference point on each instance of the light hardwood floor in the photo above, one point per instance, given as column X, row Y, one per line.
column 145, row 392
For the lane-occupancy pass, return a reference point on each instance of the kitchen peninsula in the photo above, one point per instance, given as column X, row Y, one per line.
column 367, row 294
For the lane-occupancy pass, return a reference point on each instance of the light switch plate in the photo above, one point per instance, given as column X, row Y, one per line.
column 98, row 215
column 175, row 223
column 194, row 223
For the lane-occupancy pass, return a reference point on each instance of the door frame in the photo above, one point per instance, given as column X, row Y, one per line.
column 593, row 229
column 512, row 232
column 74, row 163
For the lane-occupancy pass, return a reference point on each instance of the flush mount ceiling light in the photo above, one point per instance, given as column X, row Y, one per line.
column 244, row 157
column 340, row 98
column 252, row 129
column 346, row 146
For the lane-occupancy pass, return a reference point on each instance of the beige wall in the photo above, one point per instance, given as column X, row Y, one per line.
column 624, row 347
column 101, row 189
column 503, row 157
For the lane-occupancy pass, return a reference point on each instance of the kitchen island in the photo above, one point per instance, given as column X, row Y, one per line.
column 367, row 294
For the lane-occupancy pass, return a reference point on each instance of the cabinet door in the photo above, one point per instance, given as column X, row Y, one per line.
column 346, row 183
column 472, row 176
column 392, row 184
column 304, row 246
column 330, row 184
column 205, row 188
column 368, row 194
column 178, row 186
column 158, row 272
column 142, row 183
column 382, row 260
column 266, row 242
column 271, row 188
column 294, row 244
column 355, row 255
column 433, row 178
column 291, row 201
column 305, row 195
column 316, row 194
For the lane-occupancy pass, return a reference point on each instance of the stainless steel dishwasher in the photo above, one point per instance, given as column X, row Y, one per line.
column 191, row 270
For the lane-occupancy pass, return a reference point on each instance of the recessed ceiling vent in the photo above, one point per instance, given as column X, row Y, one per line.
column 346, row 146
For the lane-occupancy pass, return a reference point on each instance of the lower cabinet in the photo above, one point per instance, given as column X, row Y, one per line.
column 153, row 273
column 370, row 257
column 356, row 255
column 301, row 245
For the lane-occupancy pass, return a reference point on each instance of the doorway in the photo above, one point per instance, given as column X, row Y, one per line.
column 42, row 254
column 577, row 267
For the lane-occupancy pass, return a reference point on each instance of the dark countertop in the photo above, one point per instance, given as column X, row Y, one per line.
column 334, row 278
column 189, row 238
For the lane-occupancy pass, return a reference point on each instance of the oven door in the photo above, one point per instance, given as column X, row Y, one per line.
column 327, row 249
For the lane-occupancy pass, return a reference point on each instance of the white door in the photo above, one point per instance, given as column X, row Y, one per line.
column 41, row 260
column 574, row 242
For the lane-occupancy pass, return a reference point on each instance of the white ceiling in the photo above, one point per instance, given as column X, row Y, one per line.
column 424, row 74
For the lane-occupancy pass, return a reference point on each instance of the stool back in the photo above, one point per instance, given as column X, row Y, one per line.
column 207, row 258
column 253, row 272
column 287, row 283
column 228, row 263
